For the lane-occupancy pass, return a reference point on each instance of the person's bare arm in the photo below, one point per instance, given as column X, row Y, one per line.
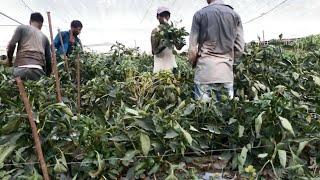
column 156, row 44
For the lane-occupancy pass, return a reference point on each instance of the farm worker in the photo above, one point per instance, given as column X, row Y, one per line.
column 164, row 58
column 70, row 39
column 216, row 40
column 33, row 58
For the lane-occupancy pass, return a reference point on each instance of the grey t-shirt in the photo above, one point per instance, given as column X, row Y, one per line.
column 33, row 46
column 217, row 36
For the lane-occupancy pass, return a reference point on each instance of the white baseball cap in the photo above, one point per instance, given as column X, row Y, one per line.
column 162, row 9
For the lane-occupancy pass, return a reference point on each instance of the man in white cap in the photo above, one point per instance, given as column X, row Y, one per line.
column 216, row 40
column 164, row 58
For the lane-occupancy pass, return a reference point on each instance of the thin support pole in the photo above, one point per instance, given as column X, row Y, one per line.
column 33, row 128
column 54, row 62
column 78, row 85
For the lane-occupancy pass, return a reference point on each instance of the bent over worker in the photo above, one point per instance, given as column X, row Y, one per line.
column 33, row 58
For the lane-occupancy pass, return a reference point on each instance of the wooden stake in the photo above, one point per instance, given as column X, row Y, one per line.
column 264, row 40
column 78, row 84
column 54, row 62
column 66, row 66
column 33, row 128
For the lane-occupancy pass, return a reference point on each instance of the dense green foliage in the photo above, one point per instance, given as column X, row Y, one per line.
column 136, row 124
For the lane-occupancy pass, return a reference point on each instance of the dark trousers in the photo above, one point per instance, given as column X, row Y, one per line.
column 28, row 73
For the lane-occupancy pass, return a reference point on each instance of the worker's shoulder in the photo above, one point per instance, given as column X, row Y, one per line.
column 23, row 27
column 216, row 7
column 65, row 32
column 40, row 34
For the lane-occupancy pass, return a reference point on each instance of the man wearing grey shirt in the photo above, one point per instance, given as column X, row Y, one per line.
column 33, row 59
column 216, row 40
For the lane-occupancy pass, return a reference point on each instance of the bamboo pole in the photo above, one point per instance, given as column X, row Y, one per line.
column 66, row 66
column 33, row 128
column 54, row 62
column 78, row 84
column 263, row 39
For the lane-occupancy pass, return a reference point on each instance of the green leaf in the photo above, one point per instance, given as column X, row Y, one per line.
column 282, row 157
column 119, row 138
column 35, row 175
column 193, row 129
column 189, row 109
column 64, row 108
column 146, row 124
column 10, row 126
column 154, row 169
column 187, row 136
column 243, row 156
column 181, row 105
column 302, row 145
column 7, row 148
column 6, row 151
column 232, row 120
column 316, row 80
column 19, row 152
column 61, row 164
column 286, row 125
column 59, row 167
column 258, row 123
column 6, row 174
column 241, row 131
column 131, row 111
column 212, row 129
column 145, row 144
column 101, row 167
column 264, row 155
column 171, row 134
column 295, row 75
column 281, row 89
column 296, row 94
column 295, row 159
column 130, row 155
column 140, row 165
column 171, row 177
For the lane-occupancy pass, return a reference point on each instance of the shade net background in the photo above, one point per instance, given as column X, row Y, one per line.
column 131, row 21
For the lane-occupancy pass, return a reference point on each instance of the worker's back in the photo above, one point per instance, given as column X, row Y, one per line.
column 218, row 29
column 31, row 45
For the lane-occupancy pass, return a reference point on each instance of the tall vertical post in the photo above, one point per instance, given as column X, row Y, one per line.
column 54, row 62
column 33, row 128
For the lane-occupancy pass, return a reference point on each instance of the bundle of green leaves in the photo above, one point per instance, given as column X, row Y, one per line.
column 172, row 35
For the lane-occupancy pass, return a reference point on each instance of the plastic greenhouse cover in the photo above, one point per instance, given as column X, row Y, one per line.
column 131, row 21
